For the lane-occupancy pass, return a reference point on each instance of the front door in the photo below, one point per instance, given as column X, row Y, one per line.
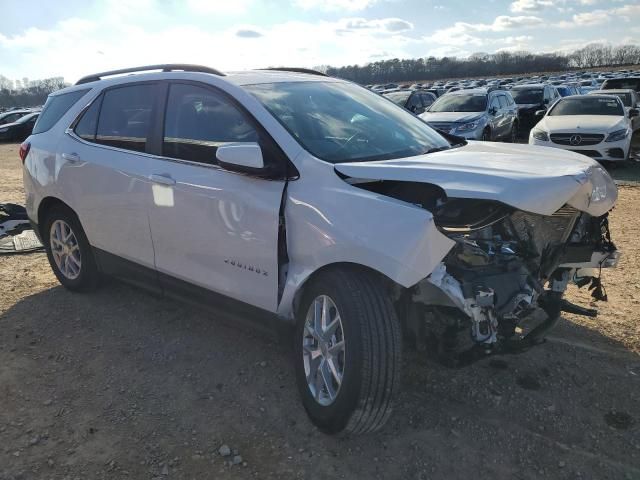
column 211, row 227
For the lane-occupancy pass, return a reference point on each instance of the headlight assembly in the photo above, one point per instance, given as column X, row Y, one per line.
column 469, row 126
column 602, row 185
column 618, row 135
column 540, row 135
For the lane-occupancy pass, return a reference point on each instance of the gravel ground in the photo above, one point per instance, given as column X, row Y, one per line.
column 121, row 384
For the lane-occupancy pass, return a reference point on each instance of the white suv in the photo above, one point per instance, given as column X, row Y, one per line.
column 307, row 199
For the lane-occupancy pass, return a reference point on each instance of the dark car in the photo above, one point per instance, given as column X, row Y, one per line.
column 416, row 101
column 12, row 116
column 20, row 129
column 531, row 98
column 632, row 83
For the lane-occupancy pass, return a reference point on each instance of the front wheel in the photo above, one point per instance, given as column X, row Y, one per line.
column 348, row 352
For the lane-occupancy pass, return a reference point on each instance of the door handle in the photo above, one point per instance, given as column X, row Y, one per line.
column 162, row 178
column 71, row 157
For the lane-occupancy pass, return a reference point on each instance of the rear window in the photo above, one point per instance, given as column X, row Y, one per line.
column 55, row 107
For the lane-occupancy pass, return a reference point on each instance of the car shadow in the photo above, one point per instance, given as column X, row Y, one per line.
column 122, row 376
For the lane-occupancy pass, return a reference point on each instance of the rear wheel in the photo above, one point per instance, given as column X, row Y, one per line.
column 348, row 352
column 69, row 251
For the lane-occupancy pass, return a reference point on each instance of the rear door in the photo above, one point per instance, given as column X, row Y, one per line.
column 105, row 171
column 213, row 228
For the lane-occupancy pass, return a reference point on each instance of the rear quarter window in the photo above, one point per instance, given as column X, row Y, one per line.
column 55, row 107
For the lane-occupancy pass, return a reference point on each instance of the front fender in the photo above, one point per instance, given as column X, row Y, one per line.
column 329, row 221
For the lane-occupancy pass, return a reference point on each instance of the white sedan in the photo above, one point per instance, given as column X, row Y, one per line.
column 595, row 125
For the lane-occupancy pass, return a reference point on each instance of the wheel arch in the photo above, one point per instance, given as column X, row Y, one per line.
column 387, row 282
column 45, row 206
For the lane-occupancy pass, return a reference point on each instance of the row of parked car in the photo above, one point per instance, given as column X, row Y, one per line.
column 16, row 124
column 597, row 123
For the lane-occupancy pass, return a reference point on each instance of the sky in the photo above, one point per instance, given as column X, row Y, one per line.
column 72, row 38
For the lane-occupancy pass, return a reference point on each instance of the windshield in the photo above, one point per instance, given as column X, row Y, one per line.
column 564, row 91
column 26, row 118
column 527, row 96
column 399, row 98
column 587, row 106
column 342, row 122
column 472, row 102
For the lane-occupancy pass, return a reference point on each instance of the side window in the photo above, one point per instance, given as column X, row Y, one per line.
column 427, row 100
column 86, row 127
column 125, row 117
column 547, row 95
column 503, row 101
column 198, row 120
column 55, row 107
column 495, row 104
column 414, row 102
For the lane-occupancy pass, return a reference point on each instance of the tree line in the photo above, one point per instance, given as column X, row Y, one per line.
column 27, row 93
column 485, row 64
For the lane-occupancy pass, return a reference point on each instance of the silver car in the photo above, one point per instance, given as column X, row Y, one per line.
column 475, row 114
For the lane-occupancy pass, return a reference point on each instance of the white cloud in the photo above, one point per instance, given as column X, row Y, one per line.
column 384, row 25
column 529, row 6
column 625, row 13
column 334, row 5
column 219, row 7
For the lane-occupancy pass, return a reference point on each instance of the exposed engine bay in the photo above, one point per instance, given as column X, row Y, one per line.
column 500, row 288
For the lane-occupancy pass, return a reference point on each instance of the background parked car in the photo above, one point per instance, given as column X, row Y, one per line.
column 530, row 99
column 593, row 125
column 415, row 101
column 475, row 114
column 567, row 90
column 20, row 129
column 630, row 99
column 12, row 116
column 626, row 82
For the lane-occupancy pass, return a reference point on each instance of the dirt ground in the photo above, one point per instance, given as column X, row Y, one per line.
column 121, row 384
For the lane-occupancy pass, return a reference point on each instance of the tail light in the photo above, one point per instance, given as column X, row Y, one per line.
column 24, row 151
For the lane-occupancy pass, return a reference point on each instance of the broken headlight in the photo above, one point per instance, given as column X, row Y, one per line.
column 602, row 185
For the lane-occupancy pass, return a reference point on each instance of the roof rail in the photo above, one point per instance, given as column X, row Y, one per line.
column 167, row 67
column 295, row 70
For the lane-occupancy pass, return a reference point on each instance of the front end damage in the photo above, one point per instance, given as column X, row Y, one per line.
column 521, row 232
column 500, row 288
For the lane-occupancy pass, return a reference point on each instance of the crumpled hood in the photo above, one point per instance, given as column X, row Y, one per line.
column 457, row 117
column 534, row 179
column 583, row 123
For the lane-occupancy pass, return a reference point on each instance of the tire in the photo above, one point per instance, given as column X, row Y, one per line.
column 369, row 363
column 486, row 135
column 79, row 272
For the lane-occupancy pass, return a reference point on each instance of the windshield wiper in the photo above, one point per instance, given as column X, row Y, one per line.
column 435, row 149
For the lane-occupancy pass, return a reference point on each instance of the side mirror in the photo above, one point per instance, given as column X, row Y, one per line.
column 493, row 111
column 540, row 113
column 633, row 112
column 241, row 157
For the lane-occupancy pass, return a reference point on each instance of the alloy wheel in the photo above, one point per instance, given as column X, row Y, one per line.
column 323, row 350
column 65, row 249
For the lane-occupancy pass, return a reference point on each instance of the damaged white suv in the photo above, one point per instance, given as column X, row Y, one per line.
column 293, row 196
